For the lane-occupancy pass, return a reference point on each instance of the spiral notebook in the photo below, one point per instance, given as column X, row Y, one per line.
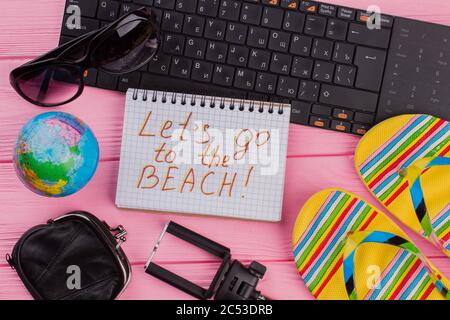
column 203, row 155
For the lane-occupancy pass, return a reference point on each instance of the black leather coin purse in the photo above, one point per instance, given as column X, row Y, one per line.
column 73, row 257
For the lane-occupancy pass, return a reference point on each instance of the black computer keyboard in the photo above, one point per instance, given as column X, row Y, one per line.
column 335, row 71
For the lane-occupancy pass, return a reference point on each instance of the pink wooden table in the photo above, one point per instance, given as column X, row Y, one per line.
column 317, row 159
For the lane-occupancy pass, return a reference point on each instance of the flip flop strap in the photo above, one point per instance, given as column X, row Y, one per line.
column 413, row 174
column 354, row 240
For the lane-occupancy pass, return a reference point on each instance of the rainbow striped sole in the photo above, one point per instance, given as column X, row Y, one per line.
column 380, row 271
column 397, row 145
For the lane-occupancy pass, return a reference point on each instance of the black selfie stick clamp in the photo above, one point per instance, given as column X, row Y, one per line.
column 233, row 281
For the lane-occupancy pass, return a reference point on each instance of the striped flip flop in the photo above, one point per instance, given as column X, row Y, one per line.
column 346, row 249
column 405, row 163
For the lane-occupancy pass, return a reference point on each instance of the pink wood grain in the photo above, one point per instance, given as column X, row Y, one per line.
column 317, row 159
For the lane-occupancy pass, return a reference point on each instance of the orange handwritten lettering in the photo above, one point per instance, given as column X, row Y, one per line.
column 167, row 178
column 203, row 183
column 141, row 132
column 189, row 178
column 148, row 177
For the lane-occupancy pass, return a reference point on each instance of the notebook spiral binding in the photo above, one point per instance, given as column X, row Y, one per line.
column 207, row 101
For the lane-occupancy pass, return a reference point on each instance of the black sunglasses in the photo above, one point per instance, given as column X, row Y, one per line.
column 56, row 77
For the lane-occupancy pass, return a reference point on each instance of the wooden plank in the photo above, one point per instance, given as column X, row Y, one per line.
column 247, row 239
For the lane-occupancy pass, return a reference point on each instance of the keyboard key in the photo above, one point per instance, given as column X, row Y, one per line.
column 360, row 34
column 229, row 10
column 290, row 4
column 281, row 63
column 223, row 75
column 88, row 8
column 327, row 10
column 244, row 79
column 158, row 15
column 181, row 67
column 319, row 122
column 174, row 44
column 272, row 18
column 257, row 96
column 294, row 21
column 345, row 75
column 270, row 2
column 342, row 126
column 322, row 49
column 251, row 13
column 323, row 71
column 315, row 26
column 385, row 21
column 202, row 71
column 258, row 37
column 195, row 48
column 349, row 98
column 343, row 114
column 156, row 82
column 343, row 52
column 193, row 25
column 90, row 77
column 279, row 41
column 165, row 4
column 208, row 7
column 287, row 87
column 216, row 51
column 360, row 128
column 108, row 10
column 127, row 8
column 238, row 56
column 236, row 33
column 160, row 64
column 130, row 80
column 266, row 83
column 336, row 29
column 215, row 29
column 364, row 117
column 172, row 21
column 370, row 63
column 309, row 6
column 107, row 81
column 300, row 112
column 309, row 91
column 321, row 110
column 346, row 13
column 187, row 6
column 301, row 45
column 302, row 67
column 259, row 60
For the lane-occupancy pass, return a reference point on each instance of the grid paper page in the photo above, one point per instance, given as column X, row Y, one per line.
column 203, row 155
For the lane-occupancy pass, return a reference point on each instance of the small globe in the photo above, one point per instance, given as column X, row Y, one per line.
column 56, row 154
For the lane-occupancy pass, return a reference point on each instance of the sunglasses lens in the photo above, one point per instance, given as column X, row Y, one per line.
column 51, row 85
column 129, row 46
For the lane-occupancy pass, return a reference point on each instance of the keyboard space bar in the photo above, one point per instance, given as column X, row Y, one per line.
column 170, row 84
column 349, row 98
